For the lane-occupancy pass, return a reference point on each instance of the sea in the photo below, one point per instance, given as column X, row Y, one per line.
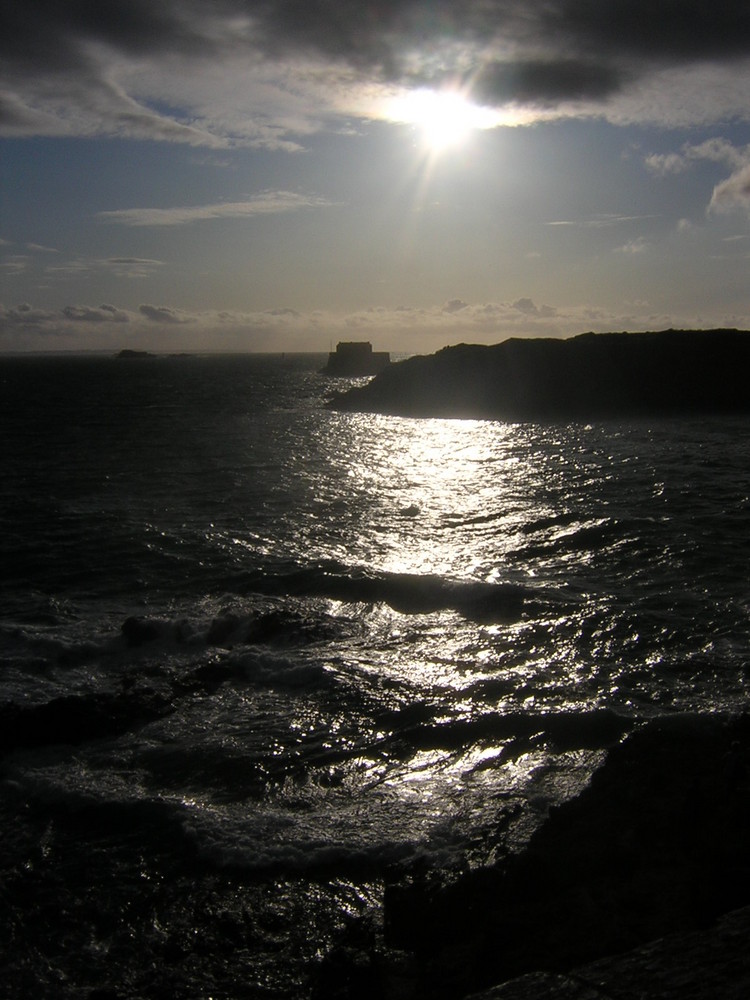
column 261, row 660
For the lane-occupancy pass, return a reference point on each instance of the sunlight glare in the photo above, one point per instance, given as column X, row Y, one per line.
column 445, row 118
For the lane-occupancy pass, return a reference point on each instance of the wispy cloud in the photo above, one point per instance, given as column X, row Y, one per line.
column 131, row 267
column 15, row 264
column 121, row 267
column 599, row 221
column 268, row 203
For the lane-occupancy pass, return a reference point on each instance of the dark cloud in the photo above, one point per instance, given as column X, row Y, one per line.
column 53, row 34
column 552, row 48
column 546, row 81
column 540, row 52
column 674, row 30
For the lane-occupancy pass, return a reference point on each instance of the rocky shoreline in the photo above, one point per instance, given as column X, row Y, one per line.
column 585, row 377
column 644, row 865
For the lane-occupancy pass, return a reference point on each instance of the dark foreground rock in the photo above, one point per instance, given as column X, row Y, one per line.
column 657, row 845
column 585, row 377
column 698, row 965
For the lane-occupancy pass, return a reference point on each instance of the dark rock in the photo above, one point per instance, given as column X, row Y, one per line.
column 222, row 628
column 76, row 719
column 288, row 628
column 657, row 844
column 138, row 631
column 584, row 377
column 698, row 965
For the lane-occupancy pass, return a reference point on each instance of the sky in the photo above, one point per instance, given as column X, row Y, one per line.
column 279, row 175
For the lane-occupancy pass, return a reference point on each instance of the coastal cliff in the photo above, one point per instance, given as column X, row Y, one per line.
column 591, row 375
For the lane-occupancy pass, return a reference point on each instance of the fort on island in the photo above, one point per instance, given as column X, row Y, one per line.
column 356, row 357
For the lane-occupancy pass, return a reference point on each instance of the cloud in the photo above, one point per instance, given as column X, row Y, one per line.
column 267, row 203
column 657, row 29
column 15, row 264
column 454, row 306
column 102, row 314
column 732, row 193
column 133, row 261
column 717, row 150
column 545, row 82
column 242, row 72
column 163, row 314
column 131, row 267
column 664, row 164
column 634, row 246
column 400, row 328
column 530, row 308
column 601, row 220
column 120, row 267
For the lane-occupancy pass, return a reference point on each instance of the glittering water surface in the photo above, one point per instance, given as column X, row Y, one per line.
column 331, row 677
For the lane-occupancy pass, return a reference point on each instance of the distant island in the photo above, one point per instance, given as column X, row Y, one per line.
column 356, row 357
column 591, row 375
column 128, row 352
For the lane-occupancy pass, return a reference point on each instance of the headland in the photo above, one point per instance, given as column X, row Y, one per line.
column 593, row 375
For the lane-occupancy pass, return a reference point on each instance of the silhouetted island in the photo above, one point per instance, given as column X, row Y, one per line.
column 591, row 375
column 128, row 352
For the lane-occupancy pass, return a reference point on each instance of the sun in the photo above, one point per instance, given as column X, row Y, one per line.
column 444, row 119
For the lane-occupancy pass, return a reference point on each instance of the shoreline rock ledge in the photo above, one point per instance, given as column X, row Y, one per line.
column 655, row 849
column 593, row 375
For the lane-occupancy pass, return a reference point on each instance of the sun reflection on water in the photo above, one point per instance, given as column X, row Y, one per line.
column 420, row 486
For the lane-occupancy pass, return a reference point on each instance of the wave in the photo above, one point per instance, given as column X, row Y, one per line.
column 404, row 592
column 585, row 536
column 231, row 846
column 594, row 729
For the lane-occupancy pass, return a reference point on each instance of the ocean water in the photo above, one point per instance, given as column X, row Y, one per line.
column 260, row 659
